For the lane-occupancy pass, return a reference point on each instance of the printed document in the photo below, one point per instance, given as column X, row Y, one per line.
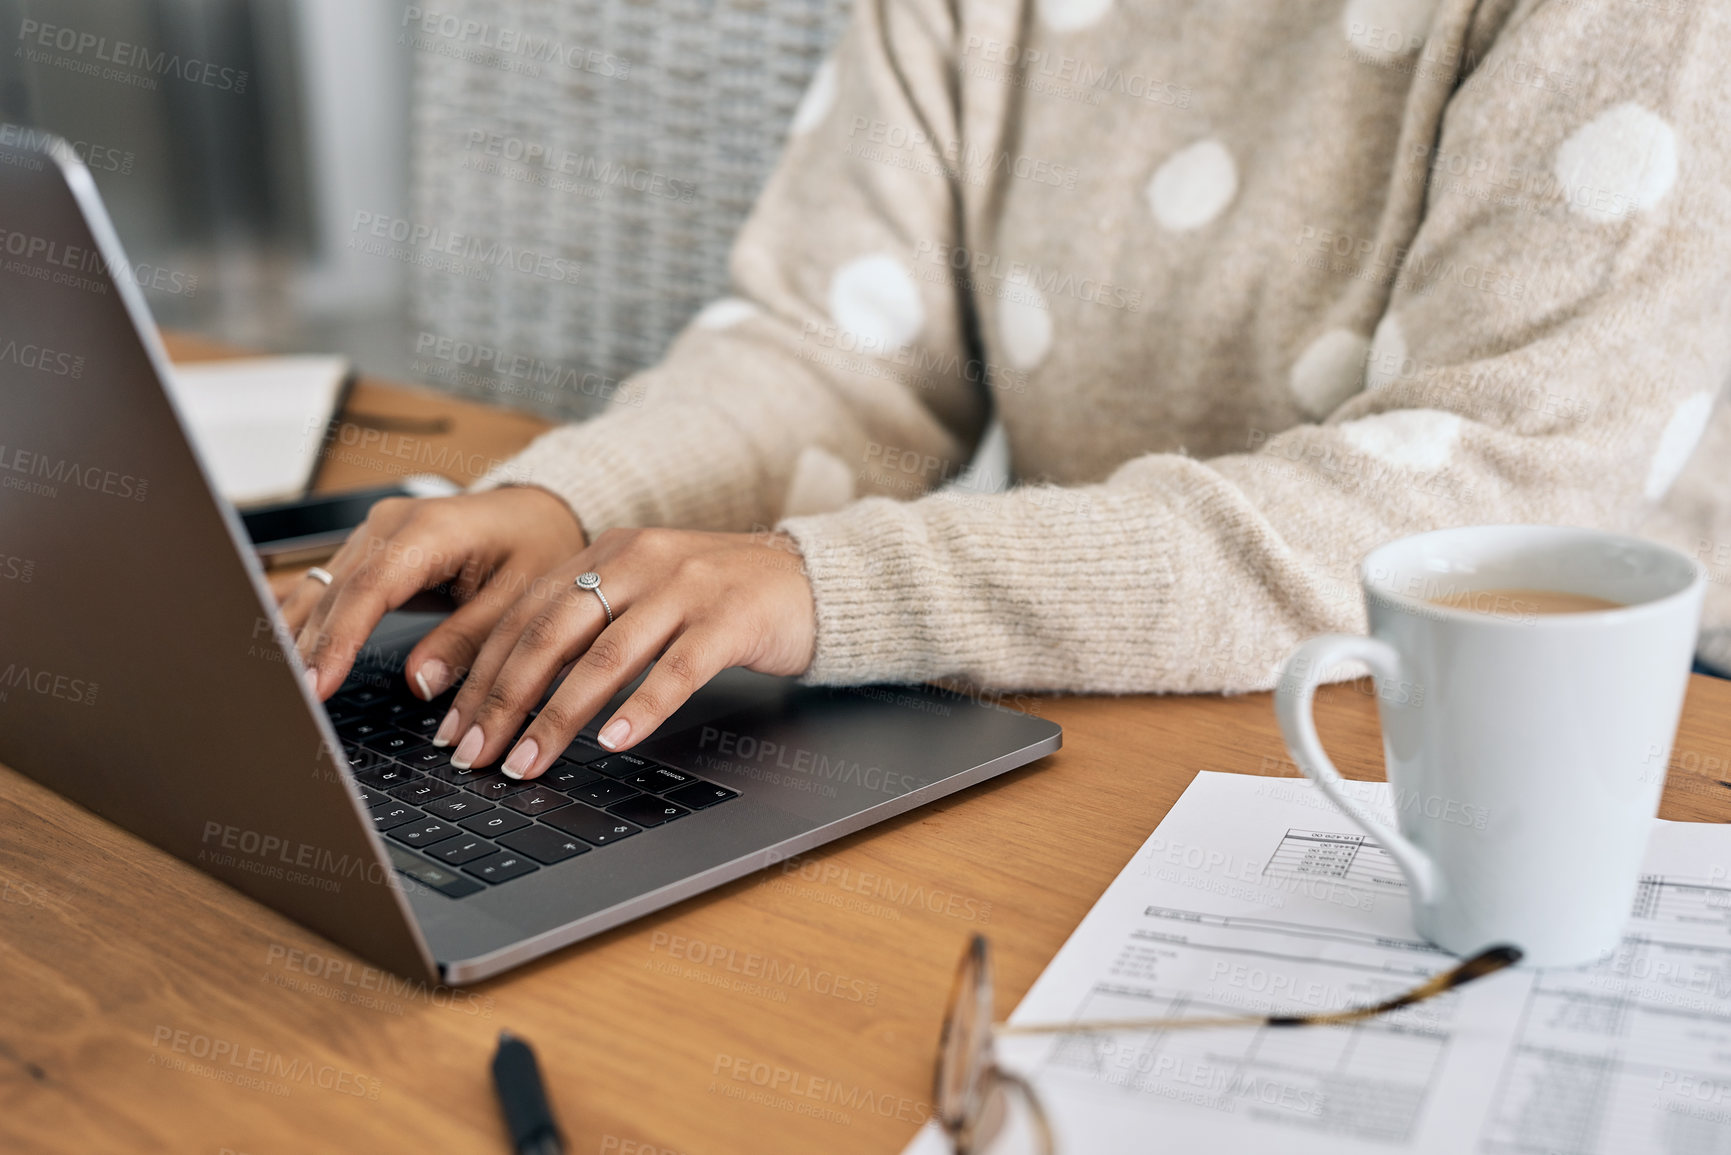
column 1256, row 895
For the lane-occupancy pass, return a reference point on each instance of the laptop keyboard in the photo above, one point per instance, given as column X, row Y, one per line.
column 470, row 829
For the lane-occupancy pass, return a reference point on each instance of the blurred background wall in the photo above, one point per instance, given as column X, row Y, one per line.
column 409, row 184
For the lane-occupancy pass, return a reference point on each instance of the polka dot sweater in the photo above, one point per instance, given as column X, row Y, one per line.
column 1252, row 287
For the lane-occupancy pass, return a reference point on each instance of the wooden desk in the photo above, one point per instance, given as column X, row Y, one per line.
column 117, row 954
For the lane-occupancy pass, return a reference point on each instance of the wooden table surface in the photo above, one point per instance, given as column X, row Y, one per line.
column 152, row 1009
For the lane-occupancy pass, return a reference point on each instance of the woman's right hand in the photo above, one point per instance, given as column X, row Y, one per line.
column 487, row 548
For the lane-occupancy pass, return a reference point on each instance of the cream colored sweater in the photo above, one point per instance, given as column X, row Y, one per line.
column 1253, row 286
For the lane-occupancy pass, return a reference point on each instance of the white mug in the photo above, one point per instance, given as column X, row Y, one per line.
column 1526, row 751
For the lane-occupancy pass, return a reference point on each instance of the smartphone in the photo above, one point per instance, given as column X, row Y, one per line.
column 314, row 527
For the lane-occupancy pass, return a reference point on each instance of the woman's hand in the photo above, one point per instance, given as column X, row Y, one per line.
column 486, row 547
column 700, row 602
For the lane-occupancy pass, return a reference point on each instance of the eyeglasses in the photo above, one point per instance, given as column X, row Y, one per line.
column 972, row 1093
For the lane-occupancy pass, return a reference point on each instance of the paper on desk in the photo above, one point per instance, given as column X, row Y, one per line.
column 259, row 421
column 1255, row 894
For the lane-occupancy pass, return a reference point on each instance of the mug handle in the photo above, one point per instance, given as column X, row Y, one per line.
column 1292, row 706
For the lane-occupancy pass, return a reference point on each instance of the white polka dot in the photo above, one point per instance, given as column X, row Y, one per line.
column 1069, row 15
column 821, row 483
column 819, row 98
column 1682, row 433
column 876, row 300
column 724, row 314
column 1330, row 370
column 1386, row 30
column 1193, row 186
column 1622, row 160
column 1025, row 325
column 1388, row 353
column 1419, row 439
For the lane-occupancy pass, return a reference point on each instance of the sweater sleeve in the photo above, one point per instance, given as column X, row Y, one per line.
column 1551, row 349
column 834, row 348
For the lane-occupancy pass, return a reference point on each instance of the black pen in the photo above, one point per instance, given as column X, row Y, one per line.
column 523, row 1099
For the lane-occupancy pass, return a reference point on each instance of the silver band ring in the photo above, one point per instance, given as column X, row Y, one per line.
column 321, row 575
column 591, row 581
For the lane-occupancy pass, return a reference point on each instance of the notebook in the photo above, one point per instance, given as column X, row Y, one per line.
column 259, row 422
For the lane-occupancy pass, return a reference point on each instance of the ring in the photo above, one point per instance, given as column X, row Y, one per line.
column 592, row 581
column 321, row 575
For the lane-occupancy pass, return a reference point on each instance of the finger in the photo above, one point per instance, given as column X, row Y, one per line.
column 441, row 659
column 695, row 656
column 615, row 657
column 303, row 597
column 542, row 593
column 368, row 538
column 297, row 604
column 554, row 587
column 540, row 635
column 353, row 606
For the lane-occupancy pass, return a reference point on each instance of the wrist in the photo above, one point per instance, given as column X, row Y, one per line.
column 552, row 510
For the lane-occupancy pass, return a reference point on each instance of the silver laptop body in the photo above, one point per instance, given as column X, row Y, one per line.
column 144, row 675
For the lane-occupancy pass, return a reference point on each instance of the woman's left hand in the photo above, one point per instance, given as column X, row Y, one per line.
column 698, row 602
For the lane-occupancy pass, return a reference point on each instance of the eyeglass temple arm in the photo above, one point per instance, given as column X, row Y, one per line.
column 1486, row 962
column 1036, row 1111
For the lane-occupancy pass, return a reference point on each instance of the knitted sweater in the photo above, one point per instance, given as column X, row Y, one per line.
column 1252, row 286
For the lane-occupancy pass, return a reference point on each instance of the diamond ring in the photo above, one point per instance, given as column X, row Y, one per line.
column 592, row 581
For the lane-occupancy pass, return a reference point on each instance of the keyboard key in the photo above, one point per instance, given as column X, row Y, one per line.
column 421, row 719
column 424, row 833
column 385, row 776
column 396, row 710
column 603, row 793
column 358, row 694
column 498, row 787
column 658, row 778
column 370, row 797
column 427, row 758
column 564, row 775
column 449, row 773
column 494, row 822
column 422, row 790
column 583, row 748
column 359, row 758
column 458, row 806
column 701, row 794
column 620, row 765
column 501, row 867
column 394, row 815
column 465, row 848
column 362, row 728
column 591, row 826
column 394, row 742
column 446, row 882
column 648, row 811
column 339, row 712
column 537, row 800
column 544, row 844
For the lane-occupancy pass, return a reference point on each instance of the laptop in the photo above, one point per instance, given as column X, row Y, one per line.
column 145, row 674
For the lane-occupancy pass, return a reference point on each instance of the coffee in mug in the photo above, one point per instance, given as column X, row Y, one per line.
column 1524, row 601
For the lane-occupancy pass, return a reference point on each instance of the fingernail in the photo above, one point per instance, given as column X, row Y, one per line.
column 468, row 749
column 521, row 758
column 614, row 733
column 434, row 678
column 312, row 680
column 447, row 729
